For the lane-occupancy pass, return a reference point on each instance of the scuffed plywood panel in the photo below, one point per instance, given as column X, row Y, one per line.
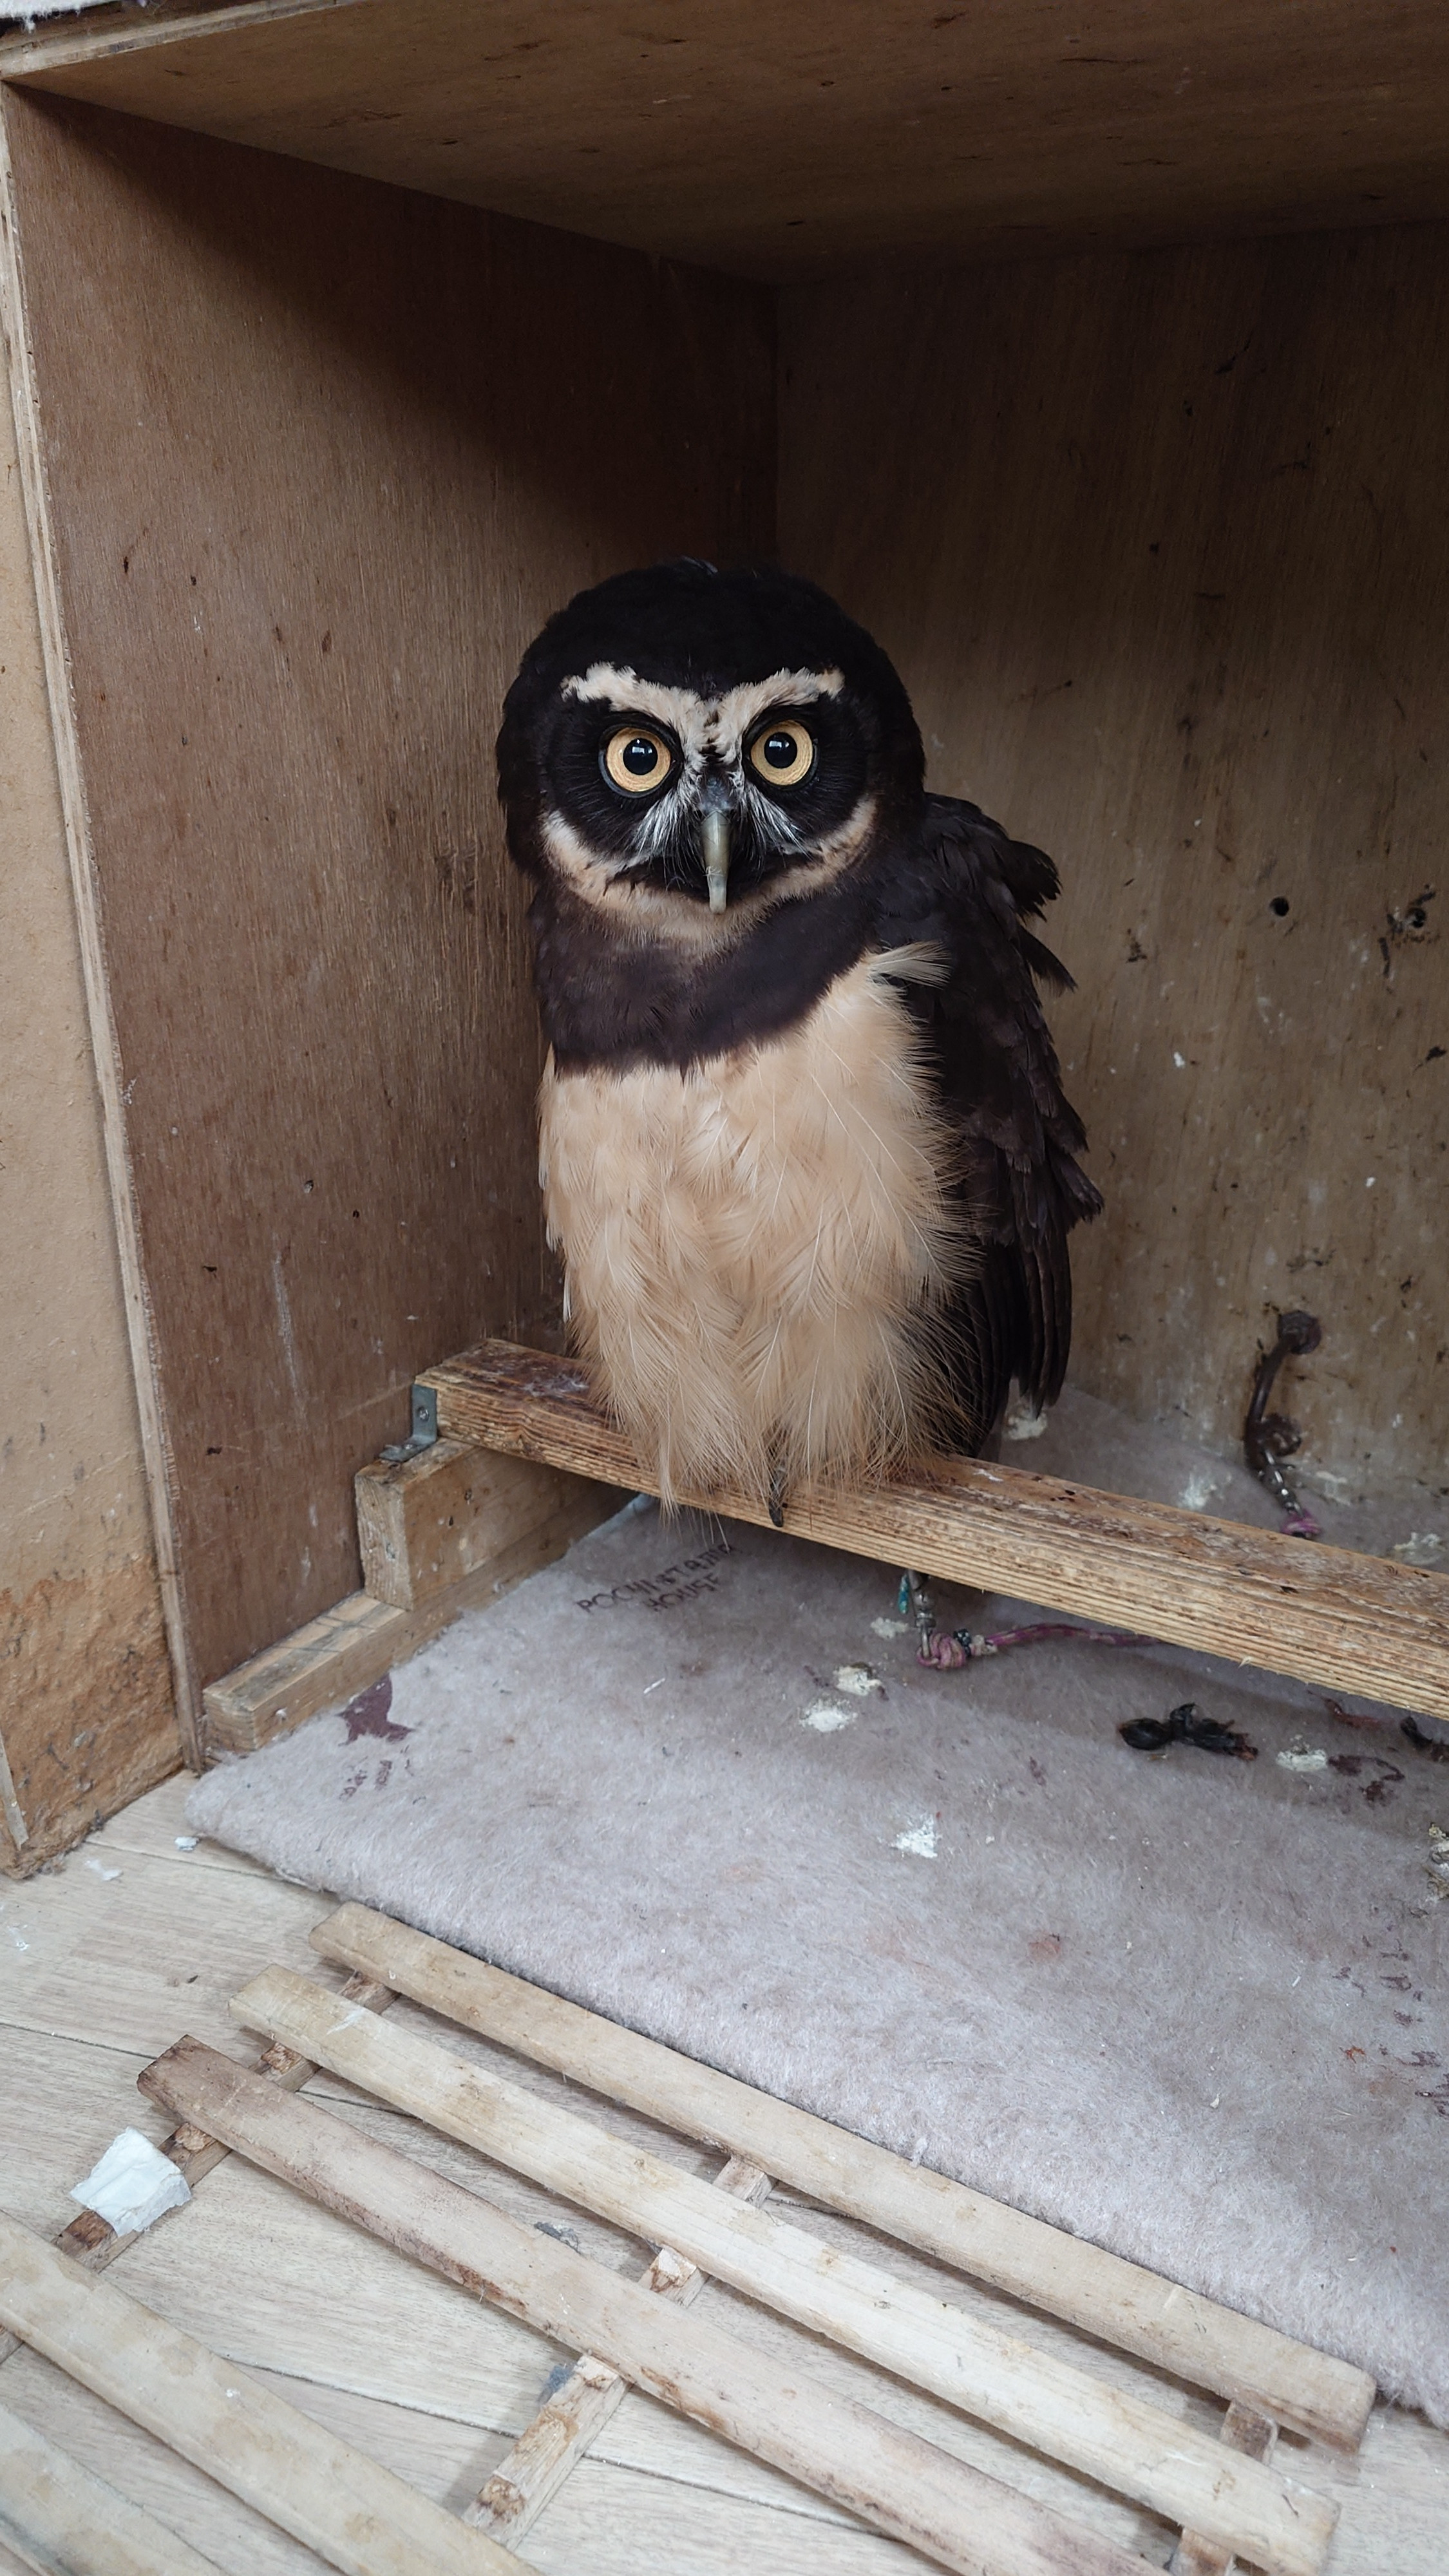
column 775, row 142
column 86, row 1715
column 1161, row 544
column 322, row 455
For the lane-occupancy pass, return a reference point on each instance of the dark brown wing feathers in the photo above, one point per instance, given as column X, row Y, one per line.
column 971, row 891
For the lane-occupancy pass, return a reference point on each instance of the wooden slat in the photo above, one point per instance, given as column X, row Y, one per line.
column 425, row 1524
column 550, row 2448
column 966, row 2521
column 1208, row 2345
column 1124, row 2442
column 1355, row 1623
column 64, row 2522
column 361, row 1638
column 345, row 1650
column 357, row 2516
column 1196, row 2554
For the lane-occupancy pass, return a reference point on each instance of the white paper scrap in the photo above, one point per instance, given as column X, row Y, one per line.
column 133, row 2185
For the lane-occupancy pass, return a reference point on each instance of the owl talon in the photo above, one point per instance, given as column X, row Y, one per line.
column 778, row 1498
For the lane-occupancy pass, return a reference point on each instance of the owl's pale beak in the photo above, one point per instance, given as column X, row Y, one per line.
column 715, row 835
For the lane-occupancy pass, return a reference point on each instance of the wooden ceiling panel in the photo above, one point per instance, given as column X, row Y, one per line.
column 781, row 143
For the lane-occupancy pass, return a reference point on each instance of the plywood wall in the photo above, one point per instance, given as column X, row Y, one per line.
column 1161, row 544
column 321, row 456
column 86, row 1715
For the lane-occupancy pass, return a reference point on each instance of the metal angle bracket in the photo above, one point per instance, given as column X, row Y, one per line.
column 424, row 1428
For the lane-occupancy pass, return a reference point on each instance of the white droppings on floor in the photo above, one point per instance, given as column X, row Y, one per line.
column 888, row 1628
column 919, row 1839
column 103, row 1869
column 1302, row 1756
column 827, row 1717
column 857, row 1680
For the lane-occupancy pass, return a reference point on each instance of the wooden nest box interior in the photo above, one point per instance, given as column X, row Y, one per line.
column 1103, row 375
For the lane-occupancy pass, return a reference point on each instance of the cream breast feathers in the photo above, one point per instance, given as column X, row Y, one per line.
column 755, row 1246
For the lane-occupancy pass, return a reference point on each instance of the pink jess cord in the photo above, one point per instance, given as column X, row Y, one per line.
column 946, row 1649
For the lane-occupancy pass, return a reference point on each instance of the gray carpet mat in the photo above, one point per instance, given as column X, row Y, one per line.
column 1191, row 2007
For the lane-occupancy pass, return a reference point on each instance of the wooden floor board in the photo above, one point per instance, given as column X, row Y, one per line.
column 113, row 1969
column 240, row 2542
column 157, row 1826
column 608, row 2522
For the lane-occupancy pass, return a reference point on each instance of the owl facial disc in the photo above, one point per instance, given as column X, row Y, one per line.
column 684, row 751
column 710, row 794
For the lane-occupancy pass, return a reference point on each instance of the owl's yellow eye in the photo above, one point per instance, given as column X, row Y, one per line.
column 636, row 759
column 783, row 752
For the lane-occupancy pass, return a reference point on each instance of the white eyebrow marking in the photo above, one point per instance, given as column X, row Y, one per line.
column 702, row 724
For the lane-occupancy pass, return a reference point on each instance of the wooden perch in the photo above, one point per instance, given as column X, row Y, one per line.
column 1210, row 2346
column 357, row 2516
column 1125, row 2442
column 905, row 2487
column 1322, row 1614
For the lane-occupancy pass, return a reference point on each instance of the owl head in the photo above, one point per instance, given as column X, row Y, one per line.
column 683, row 747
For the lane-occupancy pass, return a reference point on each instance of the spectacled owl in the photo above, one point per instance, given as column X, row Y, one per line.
column 804, row 1146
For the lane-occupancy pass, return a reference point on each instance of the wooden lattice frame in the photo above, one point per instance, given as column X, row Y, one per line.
column 1227, row 2495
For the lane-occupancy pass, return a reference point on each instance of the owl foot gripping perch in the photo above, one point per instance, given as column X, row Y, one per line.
column 804, row 1145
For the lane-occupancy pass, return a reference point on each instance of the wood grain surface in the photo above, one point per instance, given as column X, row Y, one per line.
column 1195, row 2554
column 391, row 2359
column 426, row 1523
column 321, row 457
column 918, row 2494
column 358, row 2517
column 61, row 2520
column 558, row 2438
column 1159, row 545
column 772, row 142
column 358, row 1640
column 1139, row 2450
column 1358, row 1623
column 1118, row 2302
